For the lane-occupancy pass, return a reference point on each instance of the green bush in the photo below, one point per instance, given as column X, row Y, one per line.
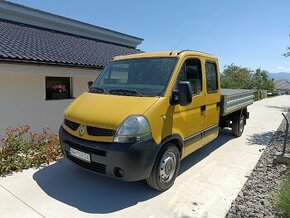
column 24, row 149
column 257, row 96
column 284, row 197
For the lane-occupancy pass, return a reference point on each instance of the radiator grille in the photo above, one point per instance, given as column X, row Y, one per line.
column 95, row 131
column 72, row 125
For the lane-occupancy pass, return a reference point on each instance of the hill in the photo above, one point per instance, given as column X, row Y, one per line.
column 280, row 75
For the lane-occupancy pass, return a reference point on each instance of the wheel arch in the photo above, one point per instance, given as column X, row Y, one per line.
column 237, row 114
column 176, row 140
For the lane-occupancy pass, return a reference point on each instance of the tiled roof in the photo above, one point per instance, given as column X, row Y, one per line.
column 25, row 43
column 282, row 84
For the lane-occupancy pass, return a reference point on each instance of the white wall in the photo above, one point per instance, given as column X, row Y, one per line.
column 22, row 95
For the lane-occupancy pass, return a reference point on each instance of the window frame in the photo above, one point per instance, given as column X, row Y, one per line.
column 201, row 73
column 217, row 82
column 71, row 96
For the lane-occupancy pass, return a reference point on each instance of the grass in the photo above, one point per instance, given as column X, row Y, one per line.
column 24, row 149
column 284, row 197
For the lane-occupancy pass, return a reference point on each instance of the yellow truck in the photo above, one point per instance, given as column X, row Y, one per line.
column 146, row 112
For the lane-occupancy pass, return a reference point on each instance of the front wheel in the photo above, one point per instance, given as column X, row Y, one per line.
column 165, row 169
column 238, row 125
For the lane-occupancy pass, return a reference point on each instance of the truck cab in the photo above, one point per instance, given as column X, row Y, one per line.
column 146, row 112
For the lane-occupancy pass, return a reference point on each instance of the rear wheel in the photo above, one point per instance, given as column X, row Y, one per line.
column 165, row 169
column 238, row 125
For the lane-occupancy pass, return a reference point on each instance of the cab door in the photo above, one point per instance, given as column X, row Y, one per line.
column 189, row 120
column 212, row 101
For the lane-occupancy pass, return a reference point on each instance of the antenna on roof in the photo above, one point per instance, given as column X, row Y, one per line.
column 185, row 36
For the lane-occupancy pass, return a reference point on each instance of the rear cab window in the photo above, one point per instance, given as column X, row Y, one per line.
column 211, row 77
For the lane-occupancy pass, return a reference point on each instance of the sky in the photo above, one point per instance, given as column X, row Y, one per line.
column 250, row 33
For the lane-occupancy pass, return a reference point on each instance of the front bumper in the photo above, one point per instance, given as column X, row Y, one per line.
column 135, row 160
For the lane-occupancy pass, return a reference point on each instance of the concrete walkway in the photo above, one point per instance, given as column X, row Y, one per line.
column 209, row 180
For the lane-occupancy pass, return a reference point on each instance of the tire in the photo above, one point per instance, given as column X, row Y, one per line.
column 165, row 169
column 238, row 125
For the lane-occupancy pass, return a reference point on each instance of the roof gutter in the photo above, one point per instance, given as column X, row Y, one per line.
column 33, row 62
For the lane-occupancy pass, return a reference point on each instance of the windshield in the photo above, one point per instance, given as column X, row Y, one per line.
column 135, row 77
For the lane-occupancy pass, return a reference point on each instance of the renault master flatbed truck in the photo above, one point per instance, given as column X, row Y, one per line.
column 146, row 112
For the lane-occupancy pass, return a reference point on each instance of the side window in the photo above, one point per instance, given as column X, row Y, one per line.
column 191, row 72
column 211, row 77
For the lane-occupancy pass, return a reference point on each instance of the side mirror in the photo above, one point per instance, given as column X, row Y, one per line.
column 184, row 93
column 90, row 83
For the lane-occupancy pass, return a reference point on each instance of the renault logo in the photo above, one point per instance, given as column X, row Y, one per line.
column 82, row 130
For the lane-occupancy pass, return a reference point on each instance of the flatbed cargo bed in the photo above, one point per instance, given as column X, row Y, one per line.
column 235, row 99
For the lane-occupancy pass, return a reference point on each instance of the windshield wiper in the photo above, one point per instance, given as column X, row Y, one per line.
column 95, row 89
column 127, row 92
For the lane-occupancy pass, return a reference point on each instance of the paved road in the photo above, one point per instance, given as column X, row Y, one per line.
column 209, row 180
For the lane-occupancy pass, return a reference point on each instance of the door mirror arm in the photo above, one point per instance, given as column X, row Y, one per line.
column 174, row 100
column 90, row 83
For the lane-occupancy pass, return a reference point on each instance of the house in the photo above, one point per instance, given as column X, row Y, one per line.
column 46, row 61
column 282, row 86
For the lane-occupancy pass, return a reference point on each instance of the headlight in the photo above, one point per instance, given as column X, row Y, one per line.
column 135, row 128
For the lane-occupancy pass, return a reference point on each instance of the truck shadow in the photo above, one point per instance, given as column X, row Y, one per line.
column 197, row 156
column 92, row 193
column 87, row 191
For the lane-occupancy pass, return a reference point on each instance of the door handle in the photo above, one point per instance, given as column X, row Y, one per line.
column 203, row 107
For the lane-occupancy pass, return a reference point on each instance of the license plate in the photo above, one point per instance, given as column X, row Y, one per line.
column 80, row 155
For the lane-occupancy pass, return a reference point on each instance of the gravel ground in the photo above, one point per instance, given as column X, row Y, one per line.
column 257, row 197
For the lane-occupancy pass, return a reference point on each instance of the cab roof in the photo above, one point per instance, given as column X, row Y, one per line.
column 165, row 54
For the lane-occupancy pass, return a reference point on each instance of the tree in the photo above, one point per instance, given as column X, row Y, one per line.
column 236, row 77
column 287, row 54
column 260, row 80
